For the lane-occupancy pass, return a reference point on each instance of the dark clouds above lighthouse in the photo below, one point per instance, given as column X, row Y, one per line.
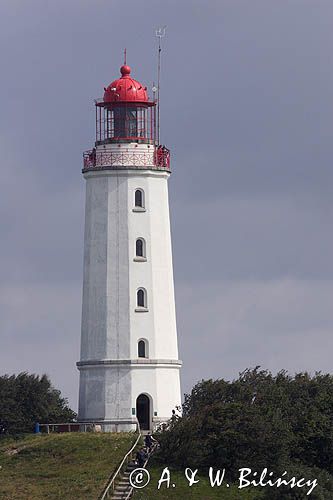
column 247, row 113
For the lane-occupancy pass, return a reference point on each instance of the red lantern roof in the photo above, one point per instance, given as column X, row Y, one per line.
column 125, row 89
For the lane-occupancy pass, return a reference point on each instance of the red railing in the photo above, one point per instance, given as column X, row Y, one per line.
column 159, row 159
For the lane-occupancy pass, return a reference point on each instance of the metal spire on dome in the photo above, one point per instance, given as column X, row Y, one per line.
column 160, row 33
column 125, row 70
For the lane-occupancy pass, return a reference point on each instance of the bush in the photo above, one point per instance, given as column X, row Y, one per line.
column 257, row 421
column 323, row 491
column 26, row 399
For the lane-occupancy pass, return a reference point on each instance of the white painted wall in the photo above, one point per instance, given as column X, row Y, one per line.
column 111, row 375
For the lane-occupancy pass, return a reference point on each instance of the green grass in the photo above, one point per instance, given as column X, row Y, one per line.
column 60, row 466
column 182, row 490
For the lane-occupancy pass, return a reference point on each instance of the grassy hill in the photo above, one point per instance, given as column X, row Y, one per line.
column 59, row 466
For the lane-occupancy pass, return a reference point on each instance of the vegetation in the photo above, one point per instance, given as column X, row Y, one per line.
column 257, row 421
column 182, row 490
column 26, row 399
column 204, row 491
column 60, row 466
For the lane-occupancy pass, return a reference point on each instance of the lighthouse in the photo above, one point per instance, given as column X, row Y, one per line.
column 129, row 366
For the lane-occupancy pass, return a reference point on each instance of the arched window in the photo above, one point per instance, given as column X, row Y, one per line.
column 139, row 198
column 142, row 349
column 141, row 298
column 140, row 250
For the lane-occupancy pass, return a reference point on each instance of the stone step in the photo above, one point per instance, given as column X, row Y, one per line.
column 122, row 484
column 123, row 487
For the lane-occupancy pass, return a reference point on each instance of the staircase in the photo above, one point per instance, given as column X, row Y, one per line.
column 123, row 490
column 123, row 487
column 119, row 487
column 119, row 481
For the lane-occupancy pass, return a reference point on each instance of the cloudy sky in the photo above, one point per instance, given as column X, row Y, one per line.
column 247, row 111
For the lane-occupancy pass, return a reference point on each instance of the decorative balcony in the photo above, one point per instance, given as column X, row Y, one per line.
column 159, row 159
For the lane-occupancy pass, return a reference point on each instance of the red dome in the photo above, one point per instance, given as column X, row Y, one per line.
column 125, row 89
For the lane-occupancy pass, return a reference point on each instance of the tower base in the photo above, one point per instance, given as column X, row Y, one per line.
column 114, row 425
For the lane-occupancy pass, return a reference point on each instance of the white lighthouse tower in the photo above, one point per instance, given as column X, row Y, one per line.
column 129, row 366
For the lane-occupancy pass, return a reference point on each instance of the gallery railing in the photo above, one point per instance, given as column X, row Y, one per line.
column 159, row 159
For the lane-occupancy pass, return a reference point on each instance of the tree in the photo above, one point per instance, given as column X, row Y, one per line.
column 26, row 399
column 258, row 420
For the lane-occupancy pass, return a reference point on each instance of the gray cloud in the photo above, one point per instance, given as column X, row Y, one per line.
column 254, row 238
column 276, row 324
column 247, row 112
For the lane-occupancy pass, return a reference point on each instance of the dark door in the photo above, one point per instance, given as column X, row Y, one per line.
column 143, row 412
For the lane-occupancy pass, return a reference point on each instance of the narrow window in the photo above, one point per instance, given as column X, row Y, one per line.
column 141, row 298
column 141, row 349
column 139, row 201
column 140, row 248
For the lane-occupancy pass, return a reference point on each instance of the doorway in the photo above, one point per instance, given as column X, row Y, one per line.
column 143, row 411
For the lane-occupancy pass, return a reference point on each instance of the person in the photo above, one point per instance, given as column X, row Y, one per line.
column 167, row 158
column 149, row 440
column 141, row 457
column 92, row 157
column 159, row 156
column 176, row 412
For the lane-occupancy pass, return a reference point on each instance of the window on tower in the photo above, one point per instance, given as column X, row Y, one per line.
column 141, row 298
column 139, row 198
column 140, row 250
column 142, row 349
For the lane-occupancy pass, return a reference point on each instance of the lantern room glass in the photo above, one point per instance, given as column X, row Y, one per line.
column 125, row 123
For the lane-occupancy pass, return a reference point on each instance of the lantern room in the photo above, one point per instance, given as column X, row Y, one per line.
column 125, row 114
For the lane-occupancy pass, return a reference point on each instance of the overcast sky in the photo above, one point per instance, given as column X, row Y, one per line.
column 247, row 111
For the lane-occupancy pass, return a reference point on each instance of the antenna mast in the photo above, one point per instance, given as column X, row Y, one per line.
column 160, row 33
